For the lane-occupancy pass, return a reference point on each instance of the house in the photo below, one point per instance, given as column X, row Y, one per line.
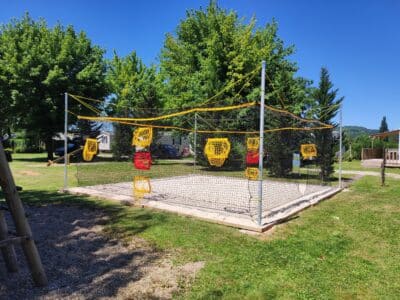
column 104, row 139
column 180, row 142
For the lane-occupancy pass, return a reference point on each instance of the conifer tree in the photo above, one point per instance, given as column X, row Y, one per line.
column 327, row 105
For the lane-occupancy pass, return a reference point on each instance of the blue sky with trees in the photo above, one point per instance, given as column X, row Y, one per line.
column 357, row 41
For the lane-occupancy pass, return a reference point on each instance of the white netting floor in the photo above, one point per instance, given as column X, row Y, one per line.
column 229, row 194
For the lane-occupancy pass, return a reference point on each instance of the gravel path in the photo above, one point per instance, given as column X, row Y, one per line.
column 83, row 263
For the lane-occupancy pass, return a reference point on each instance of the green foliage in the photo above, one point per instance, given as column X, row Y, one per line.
column 37, row 65
column 27, row 142
column 211, row 50
column 355, row 131
column 326, row 108
column 136, row 93
column 363, row 141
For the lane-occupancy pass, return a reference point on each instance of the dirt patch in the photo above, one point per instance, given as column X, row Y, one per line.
column 29, row 173
column 84, row 263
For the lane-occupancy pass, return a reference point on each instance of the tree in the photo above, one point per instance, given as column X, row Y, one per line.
column 213, row 49
column 39, row 64
column 384, row 126
column 6, row 118
column 326, row 108
column 136, row 92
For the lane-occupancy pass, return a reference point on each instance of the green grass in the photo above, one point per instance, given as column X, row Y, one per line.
column 346, row 247
column 30, row 171
column 356, row 166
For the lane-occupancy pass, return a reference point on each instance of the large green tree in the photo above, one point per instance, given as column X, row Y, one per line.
column 326, row 108
column 37, row 65
column 213, row 48
column 136, row 92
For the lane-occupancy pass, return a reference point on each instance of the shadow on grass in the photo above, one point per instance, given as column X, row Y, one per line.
column 76, row 258
column 30, row 159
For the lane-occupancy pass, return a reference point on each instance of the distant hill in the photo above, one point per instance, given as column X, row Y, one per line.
column 355, row 131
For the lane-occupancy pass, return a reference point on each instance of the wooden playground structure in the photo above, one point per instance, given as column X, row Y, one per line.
column 374, row 157
column 23, row 235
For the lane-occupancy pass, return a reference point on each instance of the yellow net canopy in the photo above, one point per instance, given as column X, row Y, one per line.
column 208, row 158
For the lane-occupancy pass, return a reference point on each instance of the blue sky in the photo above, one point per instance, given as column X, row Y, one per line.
column 358, row 41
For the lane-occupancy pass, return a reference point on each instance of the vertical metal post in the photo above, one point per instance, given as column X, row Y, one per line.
column 261, row 148
column 195, row 142
column 340, row 145
column 66, row 142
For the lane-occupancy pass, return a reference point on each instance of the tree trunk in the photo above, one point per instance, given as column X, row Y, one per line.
column 49, row 148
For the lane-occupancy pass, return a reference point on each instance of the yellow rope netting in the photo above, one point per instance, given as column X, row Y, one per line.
column 90, row 107
column 249, row 76
column 163, row 117
column 231, row 85
column 282, row 111
column 141, row 186
column 217, row 151
column 90, row 149
column 142, row 137
column 132, row 121
column 251, row 173
column 308, row 151
column 253, row 143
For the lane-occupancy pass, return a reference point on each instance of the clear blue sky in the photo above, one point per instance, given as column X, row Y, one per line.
column 358, row 41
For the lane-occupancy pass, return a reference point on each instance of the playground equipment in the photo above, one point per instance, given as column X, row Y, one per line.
column 142, row 137
column 253, row 144
column 252, row 173
column 61, row 158
column 308, row 151
column 217, row 151
column 24, row 235
column 90, row 149
column 142, row 160
column 141, row 186
column 239, row 154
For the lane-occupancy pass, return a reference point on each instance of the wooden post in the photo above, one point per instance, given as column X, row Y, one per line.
column 21, row 224
column 8, row 251
column 383, row 166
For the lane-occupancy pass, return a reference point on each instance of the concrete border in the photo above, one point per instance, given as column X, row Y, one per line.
column 273, row 217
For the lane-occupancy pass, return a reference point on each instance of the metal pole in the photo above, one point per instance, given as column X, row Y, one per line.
column 195, row 141
column 66, row 142
column 261, row 148
column 340, row 145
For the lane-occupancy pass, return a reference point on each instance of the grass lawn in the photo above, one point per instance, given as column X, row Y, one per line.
column 356, row 165
column 346, row 247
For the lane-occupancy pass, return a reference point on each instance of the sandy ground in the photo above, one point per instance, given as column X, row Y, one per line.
column 219, row 193
column 83, row 263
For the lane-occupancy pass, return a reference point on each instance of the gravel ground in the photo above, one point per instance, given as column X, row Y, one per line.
column 83, row 263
